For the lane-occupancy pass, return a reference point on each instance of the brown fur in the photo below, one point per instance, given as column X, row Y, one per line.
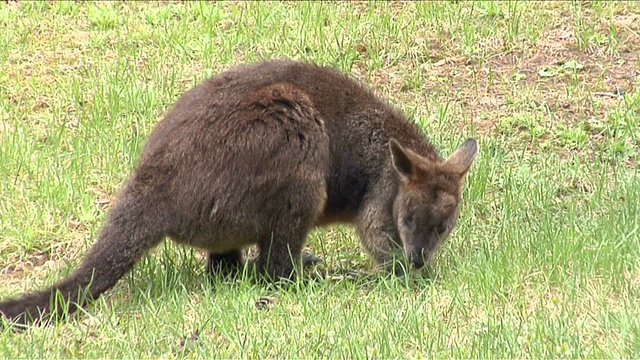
column 260, row 154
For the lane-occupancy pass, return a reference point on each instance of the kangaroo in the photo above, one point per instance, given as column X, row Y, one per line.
column 259, row 155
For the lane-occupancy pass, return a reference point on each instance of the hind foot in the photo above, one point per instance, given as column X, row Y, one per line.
column 224, row 264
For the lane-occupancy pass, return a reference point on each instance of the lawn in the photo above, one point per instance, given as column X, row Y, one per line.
column 544, row 263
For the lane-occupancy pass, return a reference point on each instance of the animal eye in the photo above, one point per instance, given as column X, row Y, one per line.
column 408, row 219
column 441, row 228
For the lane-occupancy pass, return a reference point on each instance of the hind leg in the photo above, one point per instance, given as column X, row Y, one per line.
column 280, row 255
column 226, row 263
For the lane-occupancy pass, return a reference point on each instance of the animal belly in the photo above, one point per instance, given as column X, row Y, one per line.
column 346, row 217
column 216, row 245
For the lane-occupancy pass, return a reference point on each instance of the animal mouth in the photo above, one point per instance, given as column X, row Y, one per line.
column 416, row 258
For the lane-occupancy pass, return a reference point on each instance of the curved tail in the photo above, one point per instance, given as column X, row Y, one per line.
column 130, row 231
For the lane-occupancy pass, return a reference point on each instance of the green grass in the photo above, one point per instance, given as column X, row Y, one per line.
column 545, row 261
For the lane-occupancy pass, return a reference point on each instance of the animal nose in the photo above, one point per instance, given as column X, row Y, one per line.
column 416, row 259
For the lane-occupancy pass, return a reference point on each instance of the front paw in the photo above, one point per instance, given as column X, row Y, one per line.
column 309, row 259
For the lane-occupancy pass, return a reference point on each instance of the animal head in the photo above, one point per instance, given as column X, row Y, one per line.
column 426, row 206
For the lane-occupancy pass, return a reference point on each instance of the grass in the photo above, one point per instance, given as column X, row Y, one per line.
column 543, row 264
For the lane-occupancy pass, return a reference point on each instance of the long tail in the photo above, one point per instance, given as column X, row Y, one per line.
column 130, row 231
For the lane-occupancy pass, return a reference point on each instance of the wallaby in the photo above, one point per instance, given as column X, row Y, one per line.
column 259, row 155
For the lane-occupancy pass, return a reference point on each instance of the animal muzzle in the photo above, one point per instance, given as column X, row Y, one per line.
column 417, row 258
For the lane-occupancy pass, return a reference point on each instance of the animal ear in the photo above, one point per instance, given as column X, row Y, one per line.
column 461, row 159
column 401, row 160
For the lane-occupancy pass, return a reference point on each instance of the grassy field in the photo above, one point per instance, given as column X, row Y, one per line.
column 545, row 261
